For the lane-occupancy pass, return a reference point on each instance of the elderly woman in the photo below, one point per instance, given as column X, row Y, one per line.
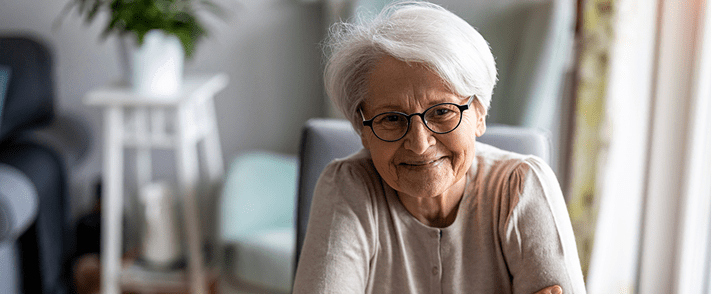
column 424, row 208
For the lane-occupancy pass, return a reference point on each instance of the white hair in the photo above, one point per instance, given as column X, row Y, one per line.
column 418, row 32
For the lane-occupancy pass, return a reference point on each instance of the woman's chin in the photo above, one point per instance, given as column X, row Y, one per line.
column 422, row 181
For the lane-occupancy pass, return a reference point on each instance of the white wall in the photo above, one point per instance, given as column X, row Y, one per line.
column 269, row 48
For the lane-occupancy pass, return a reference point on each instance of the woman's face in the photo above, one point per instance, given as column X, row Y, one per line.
column 421, row 164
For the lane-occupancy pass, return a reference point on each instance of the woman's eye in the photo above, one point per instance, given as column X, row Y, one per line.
column 441, row 114
column 442, row 111
column 389, row 119
column 392, row 118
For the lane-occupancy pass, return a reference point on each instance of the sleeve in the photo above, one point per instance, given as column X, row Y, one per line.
column 537, row 238
column 339, row 239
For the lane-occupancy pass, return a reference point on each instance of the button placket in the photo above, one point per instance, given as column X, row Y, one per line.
column 437, row 263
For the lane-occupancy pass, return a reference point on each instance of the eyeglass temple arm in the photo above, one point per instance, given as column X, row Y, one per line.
column 367, row 123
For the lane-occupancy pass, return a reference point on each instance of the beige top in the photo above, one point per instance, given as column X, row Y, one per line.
column 512, row 233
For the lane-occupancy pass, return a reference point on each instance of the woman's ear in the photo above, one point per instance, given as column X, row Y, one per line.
column 363, row 139
column 480, row 118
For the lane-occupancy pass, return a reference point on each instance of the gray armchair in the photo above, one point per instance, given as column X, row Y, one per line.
column 324, row 140
column 37, row 148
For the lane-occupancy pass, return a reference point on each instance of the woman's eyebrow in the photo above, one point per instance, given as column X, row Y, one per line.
column 387, row 107
column 398, row 107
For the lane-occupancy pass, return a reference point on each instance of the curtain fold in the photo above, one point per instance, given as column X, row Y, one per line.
column 594, row 39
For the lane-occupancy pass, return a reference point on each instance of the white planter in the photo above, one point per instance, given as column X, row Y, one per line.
column 156, row 67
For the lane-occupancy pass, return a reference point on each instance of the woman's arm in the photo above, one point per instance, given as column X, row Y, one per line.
column 537, row 237
column 338, row 243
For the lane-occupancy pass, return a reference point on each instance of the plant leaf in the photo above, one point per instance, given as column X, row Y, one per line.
column 214, row 8
column 94, row 9
column 66, row 9
column 176, row 17
column 82, row 6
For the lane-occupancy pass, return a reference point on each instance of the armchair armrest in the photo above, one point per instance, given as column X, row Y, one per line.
column 18, row 203
column 67, row 135
column 18, row 209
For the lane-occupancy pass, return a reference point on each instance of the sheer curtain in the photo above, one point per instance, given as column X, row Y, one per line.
column 621, row 180
column 655, row 201
column 694, row 258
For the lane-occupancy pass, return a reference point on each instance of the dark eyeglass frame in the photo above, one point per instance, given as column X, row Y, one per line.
column 462, row 108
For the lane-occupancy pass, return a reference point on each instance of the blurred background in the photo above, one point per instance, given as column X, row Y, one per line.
column 622, row 87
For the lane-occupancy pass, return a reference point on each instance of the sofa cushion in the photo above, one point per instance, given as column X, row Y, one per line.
column 264, row 259
column 257, row 219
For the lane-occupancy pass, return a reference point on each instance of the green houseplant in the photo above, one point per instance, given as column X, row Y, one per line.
column 174, row 17
column 156, row 36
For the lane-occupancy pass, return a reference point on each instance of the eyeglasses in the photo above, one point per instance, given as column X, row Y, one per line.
column 440, row 119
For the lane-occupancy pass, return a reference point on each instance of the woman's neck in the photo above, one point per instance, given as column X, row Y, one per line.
column 435, row 211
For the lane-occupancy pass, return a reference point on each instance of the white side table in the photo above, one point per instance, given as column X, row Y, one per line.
column 146, row 130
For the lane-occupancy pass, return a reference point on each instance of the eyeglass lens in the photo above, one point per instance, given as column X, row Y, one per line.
column 442, row 118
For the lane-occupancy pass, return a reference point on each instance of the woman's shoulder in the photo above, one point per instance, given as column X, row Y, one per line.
column 502, row 170
column 355, row 167
column 352, row 179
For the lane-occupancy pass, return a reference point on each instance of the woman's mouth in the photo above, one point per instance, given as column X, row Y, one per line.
column 421, row 163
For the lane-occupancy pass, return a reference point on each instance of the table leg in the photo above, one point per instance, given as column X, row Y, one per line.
column 188, row 175
column 212, row 150
column 112, row 200
column 212, row 156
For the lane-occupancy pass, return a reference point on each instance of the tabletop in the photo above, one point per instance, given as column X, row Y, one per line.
column 121, row 94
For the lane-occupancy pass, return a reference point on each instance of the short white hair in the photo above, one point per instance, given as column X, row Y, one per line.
column 417, row 32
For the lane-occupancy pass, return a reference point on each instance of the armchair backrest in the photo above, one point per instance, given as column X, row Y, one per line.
column 29, row 98
column 324, row 140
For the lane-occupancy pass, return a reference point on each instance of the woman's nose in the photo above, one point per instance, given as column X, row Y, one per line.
column 419, row 138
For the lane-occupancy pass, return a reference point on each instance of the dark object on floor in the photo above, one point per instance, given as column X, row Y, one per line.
column 88, row 232
column 87, row 274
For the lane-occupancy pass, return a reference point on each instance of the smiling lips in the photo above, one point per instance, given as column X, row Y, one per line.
column 421, row 163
